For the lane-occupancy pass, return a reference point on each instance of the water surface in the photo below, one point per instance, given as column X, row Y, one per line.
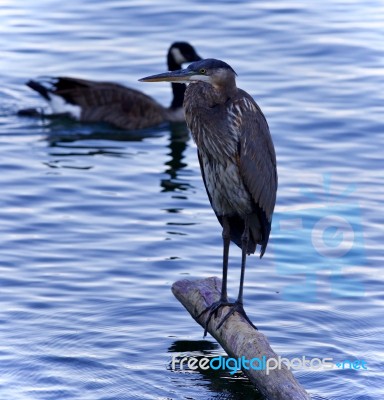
column 96, row 223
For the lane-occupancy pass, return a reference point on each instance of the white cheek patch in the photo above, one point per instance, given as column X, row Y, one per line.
column 60, row 106
column 177, row 56
column 203, row 78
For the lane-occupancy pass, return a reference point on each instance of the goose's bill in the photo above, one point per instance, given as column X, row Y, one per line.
column 180, row 76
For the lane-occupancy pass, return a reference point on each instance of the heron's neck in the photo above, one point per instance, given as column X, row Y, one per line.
column 224, row 84
column 226, row 90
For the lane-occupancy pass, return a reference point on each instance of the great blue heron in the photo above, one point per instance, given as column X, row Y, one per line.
column 93, row 101
column 237, row 160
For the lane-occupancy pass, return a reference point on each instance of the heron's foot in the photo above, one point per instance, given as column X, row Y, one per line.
column 237, row 306
column 214, row 308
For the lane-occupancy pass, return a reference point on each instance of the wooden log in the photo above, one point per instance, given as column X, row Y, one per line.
column 239, row 339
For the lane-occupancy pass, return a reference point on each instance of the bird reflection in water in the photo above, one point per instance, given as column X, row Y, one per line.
column 178, row 139
column 68, row 139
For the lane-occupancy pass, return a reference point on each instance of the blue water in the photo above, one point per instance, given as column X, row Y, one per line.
column 96, row 224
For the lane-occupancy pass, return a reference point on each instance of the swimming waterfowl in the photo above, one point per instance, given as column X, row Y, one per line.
column 125, row 108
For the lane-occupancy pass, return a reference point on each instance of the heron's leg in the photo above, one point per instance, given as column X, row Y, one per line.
column 238, row 305
column 226, row 242
column 223, row 301
column 244, row 248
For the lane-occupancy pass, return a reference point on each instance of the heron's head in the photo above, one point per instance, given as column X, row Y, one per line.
column 215, row 72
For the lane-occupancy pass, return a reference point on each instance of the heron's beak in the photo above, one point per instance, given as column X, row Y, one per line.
column 180, row 76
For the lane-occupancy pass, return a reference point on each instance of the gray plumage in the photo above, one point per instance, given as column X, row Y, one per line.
column 237, row 160
column 123, row 107
column 236, row 155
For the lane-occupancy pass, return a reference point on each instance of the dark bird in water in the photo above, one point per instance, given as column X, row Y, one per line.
column 125, row 108
column 237, row 160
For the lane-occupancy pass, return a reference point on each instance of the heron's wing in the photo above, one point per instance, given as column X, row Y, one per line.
column 257, row 160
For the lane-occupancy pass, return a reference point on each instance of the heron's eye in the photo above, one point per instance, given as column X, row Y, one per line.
column 203, row 71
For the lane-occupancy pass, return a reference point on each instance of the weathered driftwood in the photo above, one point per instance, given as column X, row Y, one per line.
column 239, row 339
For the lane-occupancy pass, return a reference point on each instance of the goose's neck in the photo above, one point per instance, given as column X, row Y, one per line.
column 178, row 89
column 176, row 111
